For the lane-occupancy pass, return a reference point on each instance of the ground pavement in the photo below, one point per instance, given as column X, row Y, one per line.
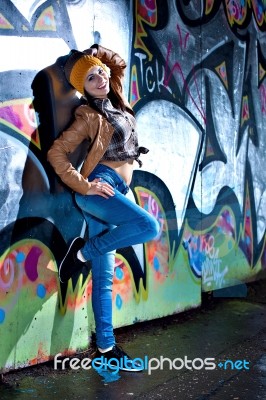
column 217, row 352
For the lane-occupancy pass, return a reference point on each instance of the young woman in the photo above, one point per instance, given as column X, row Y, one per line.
column 107, row 122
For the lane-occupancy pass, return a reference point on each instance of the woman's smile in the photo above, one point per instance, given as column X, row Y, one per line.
column 103, row 85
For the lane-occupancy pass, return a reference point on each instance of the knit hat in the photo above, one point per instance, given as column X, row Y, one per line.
column 77, row 67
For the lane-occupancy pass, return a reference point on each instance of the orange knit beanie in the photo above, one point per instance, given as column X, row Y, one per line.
column 77, row 72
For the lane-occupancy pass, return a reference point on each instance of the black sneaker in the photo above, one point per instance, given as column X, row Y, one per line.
column 71, row 264
column 116, row 359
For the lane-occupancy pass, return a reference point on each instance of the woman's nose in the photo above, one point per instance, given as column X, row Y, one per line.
column 100, row 77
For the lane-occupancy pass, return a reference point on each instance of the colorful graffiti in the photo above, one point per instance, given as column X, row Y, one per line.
column 199, row 97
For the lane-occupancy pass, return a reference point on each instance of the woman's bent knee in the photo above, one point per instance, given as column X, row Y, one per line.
column 152, row 228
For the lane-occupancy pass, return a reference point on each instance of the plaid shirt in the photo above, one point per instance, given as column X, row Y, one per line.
column 124, row 142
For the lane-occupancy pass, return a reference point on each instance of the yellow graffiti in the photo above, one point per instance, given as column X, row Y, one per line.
column 143, row 17
column 46, row 21
column 209, row 6
column 221, row 70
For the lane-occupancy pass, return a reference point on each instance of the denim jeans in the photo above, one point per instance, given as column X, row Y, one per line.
column 113, row 223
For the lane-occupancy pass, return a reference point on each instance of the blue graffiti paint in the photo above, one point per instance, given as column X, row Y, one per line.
column 2, row 315
column 195, row 256
column 247, row 239
column 20, row 257
column 156, row 264
column 41, row 291
column 118, row 301
column 119, row 273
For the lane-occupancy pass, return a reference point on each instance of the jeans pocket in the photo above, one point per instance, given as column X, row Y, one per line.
column 104, row 178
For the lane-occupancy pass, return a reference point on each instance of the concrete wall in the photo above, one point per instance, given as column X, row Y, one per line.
column 196, row 79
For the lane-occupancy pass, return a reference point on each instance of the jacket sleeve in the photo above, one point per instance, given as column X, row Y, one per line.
column 66, row 143
column 113, row 60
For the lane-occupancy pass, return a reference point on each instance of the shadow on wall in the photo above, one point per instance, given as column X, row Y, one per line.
column 41, row 218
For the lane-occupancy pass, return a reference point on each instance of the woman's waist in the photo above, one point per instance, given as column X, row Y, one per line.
column 122, row 168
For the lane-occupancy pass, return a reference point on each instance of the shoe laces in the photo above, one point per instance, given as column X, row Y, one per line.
column 119, row 352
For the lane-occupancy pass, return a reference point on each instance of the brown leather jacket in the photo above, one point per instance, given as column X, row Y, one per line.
column 90, row 125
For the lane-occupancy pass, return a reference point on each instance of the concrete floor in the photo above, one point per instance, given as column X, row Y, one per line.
column 224, row 329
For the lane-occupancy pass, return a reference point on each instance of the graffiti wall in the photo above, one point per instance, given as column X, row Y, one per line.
column 196, row 80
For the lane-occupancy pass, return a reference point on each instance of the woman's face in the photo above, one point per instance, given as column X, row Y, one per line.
column 97, row 82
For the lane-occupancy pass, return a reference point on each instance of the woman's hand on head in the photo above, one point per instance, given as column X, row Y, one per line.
column 92, row 51
column 100, row 188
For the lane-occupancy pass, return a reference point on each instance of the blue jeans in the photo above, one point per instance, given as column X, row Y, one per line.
column 113, row 223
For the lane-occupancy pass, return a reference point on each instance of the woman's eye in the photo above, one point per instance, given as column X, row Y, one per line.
column 91, row 77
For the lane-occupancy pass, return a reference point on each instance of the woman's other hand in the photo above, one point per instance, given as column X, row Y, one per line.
column 92, row 51
column 100, row 188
